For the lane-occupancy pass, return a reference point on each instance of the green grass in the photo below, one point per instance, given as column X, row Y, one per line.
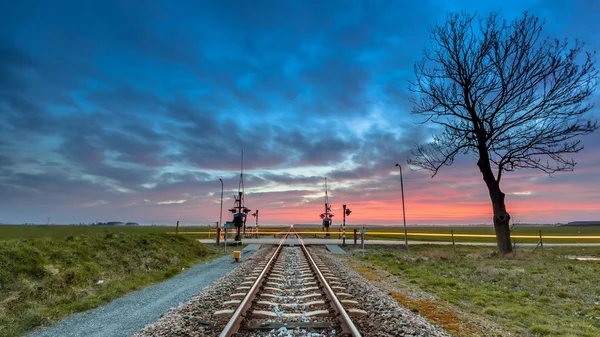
column 45, row 279
column 57, row 231
column 531, row 294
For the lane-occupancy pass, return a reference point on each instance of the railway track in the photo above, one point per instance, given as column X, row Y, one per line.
column 291, row 290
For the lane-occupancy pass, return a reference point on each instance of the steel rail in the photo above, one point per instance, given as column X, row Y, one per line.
column 348, row 326
column 238, row 316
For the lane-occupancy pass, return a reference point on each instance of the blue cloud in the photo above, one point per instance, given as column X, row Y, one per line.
column 130, row 101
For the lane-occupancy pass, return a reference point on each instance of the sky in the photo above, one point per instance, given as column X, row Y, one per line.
column 133, row 110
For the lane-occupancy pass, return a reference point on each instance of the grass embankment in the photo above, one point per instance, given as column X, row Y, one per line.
column 8, row 232
column 531, row 294
column 45, row 279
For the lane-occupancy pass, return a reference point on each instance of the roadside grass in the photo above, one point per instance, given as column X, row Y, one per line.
column 530, row 294
column 8, row 232
column 45, row 279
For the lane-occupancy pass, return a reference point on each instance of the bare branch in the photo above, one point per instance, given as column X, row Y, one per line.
column 504, row 93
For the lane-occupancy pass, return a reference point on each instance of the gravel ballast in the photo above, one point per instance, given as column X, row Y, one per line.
column 126, row 315
column 195, row 318
column 386, row 317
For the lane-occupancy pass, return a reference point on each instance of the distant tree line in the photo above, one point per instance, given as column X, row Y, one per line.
column 115, row 223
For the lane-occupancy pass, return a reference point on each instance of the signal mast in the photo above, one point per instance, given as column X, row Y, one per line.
column 239, row 210
column 326, row 216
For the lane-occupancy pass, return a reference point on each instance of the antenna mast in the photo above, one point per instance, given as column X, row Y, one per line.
column 326, row 199
column 239, row 210
column 241, row 183
column 326, row 216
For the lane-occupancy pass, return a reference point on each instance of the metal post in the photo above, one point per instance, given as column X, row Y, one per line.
column 453, row 245
column 221, row 214
column 362, row 240
column 541, row 242
column 218, row 235
column 403, row 211
column 177, row 228
column 355, row 238
column 344, row 227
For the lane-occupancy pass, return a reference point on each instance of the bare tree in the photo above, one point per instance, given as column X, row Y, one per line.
column 504, row 94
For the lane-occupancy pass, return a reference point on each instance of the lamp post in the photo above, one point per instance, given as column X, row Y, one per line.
column 221, row 214
column 347, row 211
column 403, row 211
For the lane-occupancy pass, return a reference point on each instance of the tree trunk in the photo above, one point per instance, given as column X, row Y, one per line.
column 501, row 217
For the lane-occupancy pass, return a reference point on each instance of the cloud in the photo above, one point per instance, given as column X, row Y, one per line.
column 171, row 202
column 117, row 107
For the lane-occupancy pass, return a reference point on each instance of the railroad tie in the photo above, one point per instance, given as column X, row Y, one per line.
column 303, row 297
column 272, row 288
column 238, row 295
column 268, row 295
column 266, row 303
column 347, row 302
column 311, row 303
column 315, row 313
column 343, row 295
column 356, row 312
column 291, row 305
column 263, row 314
column 232, row 302
column 270, row 314
column 225, row 313
column 307, row 289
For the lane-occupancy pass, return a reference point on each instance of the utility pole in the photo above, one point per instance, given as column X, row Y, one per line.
column 221, row 213
column 403, row 211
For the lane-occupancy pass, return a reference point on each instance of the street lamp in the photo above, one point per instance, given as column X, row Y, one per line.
column 347, row 211
column 403, row 211
column 221, row 214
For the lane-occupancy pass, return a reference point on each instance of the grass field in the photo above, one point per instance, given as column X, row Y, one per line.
column 45, row 279
column 56, row 231
column 477, row 294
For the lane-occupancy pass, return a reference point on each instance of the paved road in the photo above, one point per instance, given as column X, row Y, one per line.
column 126, row 315
column 271, row 241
